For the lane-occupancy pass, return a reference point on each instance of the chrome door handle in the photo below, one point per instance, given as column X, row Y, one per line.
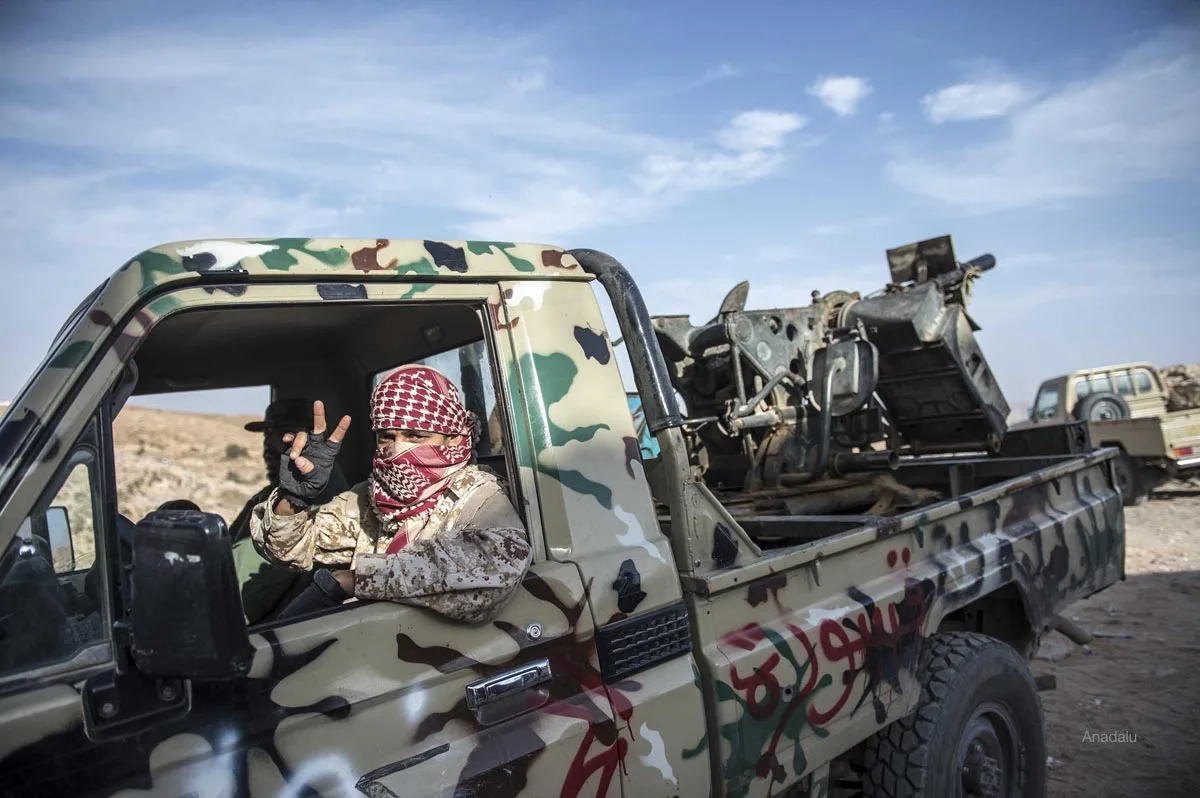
column 508, row 683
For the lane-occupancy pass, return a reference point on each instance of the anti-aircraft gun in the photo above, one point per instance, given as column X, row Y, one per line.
column 791, row 396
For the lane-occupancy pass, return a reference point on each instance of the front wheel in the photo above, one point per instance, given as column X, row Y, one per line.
column 978, row 729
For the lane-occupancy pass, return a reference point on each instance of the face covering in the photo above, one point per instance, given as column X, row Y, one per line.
column 407, row 480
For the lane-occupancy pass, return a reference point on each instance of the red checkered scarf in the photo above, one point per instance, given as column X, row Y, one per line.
column 406, row 485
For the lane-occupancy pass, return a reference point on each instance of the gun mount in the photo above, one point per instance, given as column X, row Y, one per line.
column 847, row 384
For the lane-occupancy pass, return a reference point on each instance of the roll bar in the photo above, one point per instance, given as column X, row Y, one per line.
column 649, row 366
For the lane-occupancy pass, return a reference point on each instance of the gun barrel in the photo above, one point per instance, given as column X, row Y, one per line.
column 983, row 263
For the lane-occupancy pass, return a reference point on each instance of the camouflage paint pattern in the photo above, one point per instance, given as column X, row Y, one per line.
column 819, row 651
column 798, row 653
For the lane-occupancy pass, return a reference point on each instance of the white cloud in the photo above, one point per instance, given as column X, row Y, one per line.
column 830, row 230
column 1136, row 121
column 841, row 94
column 376, row 115
column 759, row 130
column 722, row 71
column 254, row 127
column 965, row 101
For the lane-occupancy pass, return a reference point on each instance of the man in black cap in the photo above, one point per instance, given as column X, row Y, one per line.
column 267, row 588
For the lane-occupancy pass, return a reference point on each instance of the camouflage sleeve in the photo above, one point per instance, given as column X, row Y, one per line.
column 466, row 573
column 322, row 535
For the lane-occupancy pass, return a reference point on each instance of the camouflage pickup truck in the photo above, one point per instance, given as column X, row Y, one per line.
column 826, row 577
column 1129, row 407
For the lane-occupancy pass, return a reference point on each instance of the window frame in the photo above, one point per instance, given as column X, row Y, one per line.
column 512, row 476
column 1099, row 379
column 1117, row 376
column 100, row 655
column 99, row 385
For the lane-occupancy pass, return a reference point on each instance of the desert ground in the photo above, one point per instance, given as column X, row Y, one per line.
column 1141, row 688
column 1124, row 719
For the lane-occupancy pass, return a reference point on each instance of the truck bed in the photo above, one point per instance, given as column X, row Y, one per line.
column 1172, row 436
column 816, row 645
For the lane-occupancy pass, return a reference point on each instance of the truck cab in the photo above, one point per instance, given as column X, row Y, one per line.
column 756, row 603
column 1139, row 385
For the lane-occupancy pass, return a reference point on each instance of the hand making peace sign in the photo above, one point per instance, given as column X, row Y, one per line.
column 305, row 469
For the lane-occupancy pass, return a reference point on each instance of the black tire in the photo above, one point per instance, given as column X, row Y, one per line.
column 1130, row 480
column 1101, row 407
column 976, row 691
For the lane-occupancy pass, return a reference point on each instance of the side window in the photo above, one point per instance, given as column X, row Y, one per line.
column 1101, row 384
column 51, row 605
column 1144, row 384
column 1046, row 404
column 1123, row 383
column 216, row 446
column 1082, row 388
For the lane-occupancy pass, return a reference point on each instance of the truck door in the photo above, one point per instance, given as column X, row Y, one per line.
column 599, row 515
column 371, row 698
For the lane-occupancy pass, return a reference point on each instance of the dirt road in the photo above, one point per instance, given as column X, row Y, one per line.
column 1125, row 717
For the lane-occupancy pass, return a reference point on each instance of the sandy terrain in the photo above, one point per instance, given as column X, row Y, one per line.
column 1147, row 687
column 163, row 455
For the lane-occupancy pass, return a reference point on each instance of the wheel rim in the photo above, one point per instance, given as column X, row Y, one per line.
column 1104, row 410
column 988, row 756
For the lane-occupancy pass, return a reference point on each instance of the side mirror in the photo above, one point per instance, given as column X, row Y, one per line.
column 58, row 531
column 186, row 614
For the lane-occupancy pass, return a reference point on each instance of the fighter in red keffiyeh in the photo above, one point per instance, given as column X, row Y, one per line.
column 407, row 475
column 426, row 527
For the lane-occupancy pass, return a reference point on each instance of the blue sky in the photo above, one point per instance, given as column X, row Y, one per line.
column 700, row 143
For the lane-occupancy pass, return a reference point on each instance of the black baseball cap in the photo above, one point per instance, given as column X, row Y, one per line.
column 289, row 414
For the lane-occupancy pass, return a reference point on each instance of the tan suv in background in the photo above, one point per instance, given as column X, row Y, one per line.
column 1128, row 406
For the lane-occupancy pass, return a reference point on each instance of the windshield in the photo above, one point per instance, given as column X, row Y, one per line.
column 1046, row 404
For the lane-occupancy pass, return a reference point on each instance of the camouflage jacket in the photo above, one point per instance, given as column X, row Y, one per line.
column 465, row 562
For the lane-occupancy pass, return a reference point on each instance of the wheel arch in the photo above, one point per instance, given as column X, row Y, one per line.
column 1007, row 613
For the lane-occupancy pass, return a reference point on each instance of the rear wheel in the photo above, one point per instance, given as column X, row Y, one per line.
column 978, row 729
column 1130, row 480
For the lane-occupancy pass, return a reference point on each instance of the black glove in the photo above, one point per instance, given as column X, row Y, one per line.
column 300, row 489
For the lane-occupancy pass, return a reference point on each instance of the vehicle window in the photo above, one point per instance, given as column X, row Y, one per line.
column 1124, row 384
column 51, row 606
column 470, row 369
column 1082, row 387
column 192, row 449
column 1101, row 384
column 190, row 446
column 1046, row 404
column 1144, row 385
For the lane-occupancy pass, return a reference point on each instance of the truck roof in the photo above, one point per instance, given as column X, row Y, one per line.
column 342, row 260
column 1098, row 369
column 351, row 260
